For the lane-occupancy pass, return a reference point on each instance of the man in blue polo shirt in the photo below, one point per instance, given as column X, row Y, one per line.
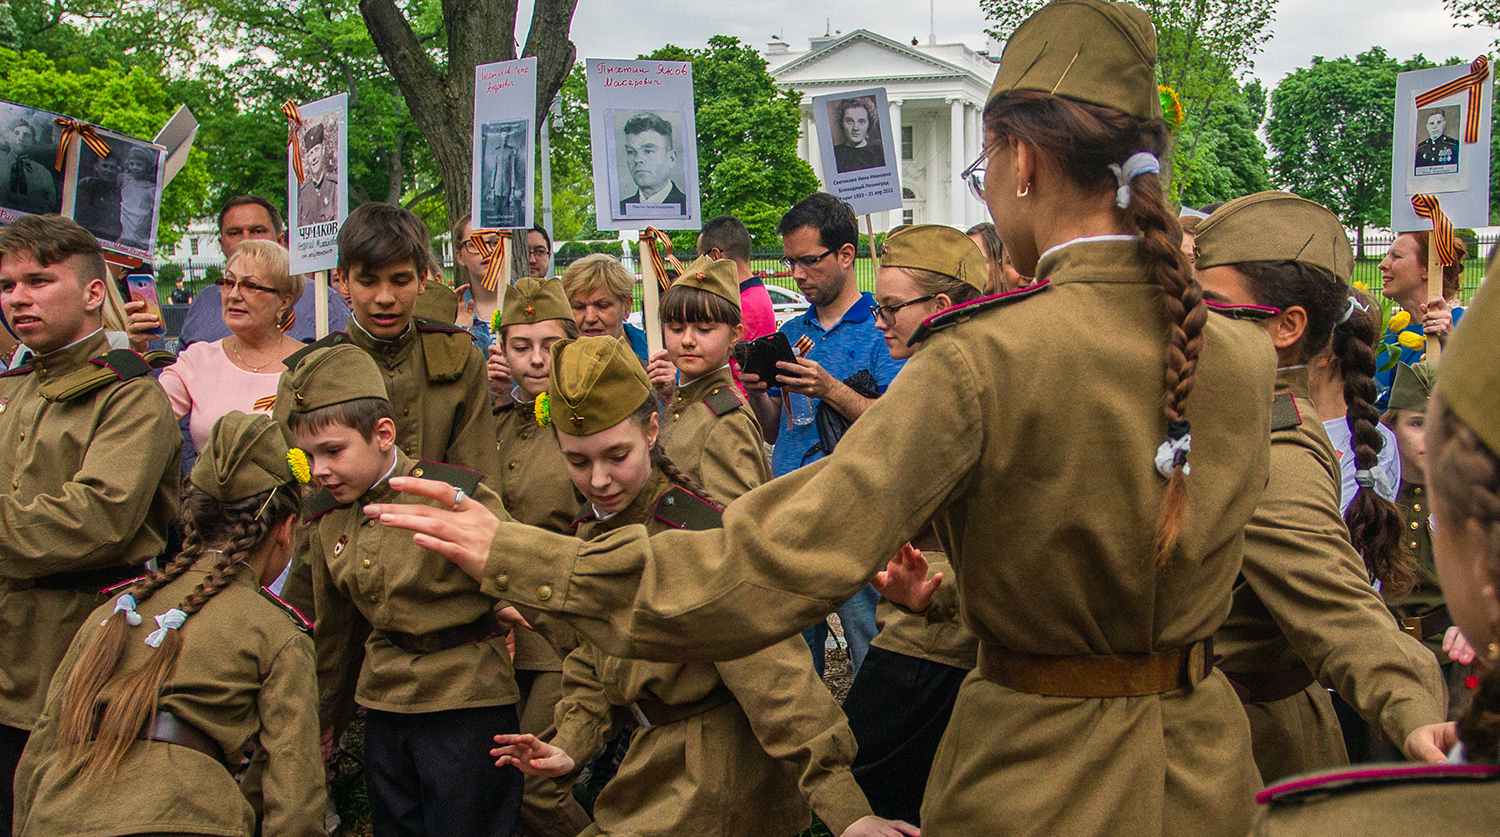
column 818, row 238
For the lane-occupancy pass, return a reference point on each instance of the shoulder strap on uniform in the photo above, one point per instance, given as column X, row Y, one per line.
column 1254, row 313
column 683, row 509
column 1336, row 782
column 317, row 504
column 959, row 313
column 334, row 338
column 451, row 474
column 292, row 613
column 724, row 400
column 1284, row 412
column 159, row 358
column 110, row 367
column 446, row 347
column 23, row 369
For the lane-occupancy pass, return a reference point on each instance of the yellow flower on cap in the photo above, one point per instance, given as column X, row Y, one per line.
column 1399, row 320
column 296, row 458
column 1411, row 340
column 495, row 321
column 543, row 410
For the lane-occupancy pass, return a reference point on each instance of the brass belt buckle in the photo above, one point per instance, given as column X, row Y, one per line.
column 1412, row 626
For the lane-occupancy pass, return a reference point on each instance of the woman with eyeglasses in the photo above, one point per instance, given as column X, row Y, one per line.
column 1047, row 437
column 239, row 372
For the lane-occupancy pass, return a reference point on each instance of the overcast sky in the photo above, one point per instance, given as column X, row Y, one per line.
column 1301, row 30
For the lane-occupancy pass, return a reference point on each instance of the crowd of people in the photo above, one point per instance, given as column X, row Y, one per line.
column 1125, row 530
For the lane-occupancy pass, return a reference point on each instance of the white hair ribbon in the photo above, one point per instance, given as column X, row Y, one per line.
column 1376, row 479
column 169, row 621
column 126, row 603
column 1354, row 304
column 1141, row 162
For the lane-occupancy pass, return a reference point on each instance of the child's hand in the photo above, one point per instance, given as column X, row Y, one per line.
column 904, row 580
column 531, row 756
column 663, row 376
column 498, row 372
column 873, row 826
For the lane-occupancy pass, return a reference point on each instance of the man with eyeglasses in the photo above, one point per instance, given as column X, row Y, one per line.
column 819, row 237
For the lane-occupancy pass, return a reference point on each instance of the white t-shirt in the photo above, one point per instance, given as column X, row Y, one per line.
column 1389, row 460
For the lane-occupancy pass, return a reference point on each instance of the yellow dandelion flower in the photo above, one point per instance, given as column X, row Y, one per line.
column 296, row 459
column 1411, row 340
column 1171, row 107
column 543, row 410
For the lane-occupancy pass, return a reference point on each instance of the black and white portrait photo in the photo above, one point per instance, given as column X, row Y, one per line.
column 29, row 183
column 504, row 174
column 856, row 134
column 118, row 196
column 318, row 195
column 648, row 151
column 1437, row 148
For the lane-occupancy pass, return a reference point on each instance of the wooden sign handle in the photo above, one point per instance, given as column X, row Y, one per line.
column 320, row 304
column 870, row 230
column 650, row 296
column 1434, row 289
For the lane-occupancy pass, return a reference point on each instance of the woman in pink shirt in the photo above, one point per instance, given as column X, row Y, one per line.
column 239, row 372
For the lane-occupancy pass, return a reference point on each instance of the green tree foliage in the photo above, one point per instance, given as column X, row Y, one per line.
column 10, row 35
column 133, row 101
column 572, row 169
column 1204, row 48
column 747, row 136
column 1330, row 134
column 1230, row 159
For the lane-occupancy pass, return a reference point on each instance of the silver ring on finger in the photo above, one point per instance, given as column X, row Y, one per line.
column 458, row 498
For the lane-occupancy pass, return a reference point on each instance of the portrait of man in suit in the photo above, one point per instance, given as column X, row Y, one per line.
column 651, row 157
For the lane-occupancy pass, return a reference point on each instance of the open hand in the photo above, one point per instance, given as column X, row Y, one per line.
column 531, row 756
column 904, row 580
column 873, row 826
column 1431, row 743
column 462, row 534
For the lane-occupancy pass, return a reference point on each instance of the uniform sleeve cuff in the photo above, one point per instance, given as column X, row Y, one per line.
column 839, row 802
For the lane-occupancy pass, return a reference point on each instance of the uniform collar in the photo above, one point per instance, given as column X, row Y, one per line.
column 381, row 491
column 70, row 357
column 370, row 343
column 1095, row 258
column 698, row 388
column 1293, row 379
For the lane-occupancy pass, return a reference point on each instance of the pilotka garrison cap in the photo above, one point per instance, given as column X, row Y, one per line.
column 1274, row 227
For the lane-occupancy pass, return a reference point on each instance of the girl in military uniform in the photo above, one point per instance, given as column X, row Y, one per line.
column 737, row 748
column 182, row 667
column 1463, row 458
column 1305, row 616
column 1046, row 436
column 903, row 695
column 536, row 490
column 708, row 427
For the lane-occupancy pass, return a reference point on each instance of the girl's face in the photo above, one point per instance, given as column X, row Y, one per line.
column 697, row 349
column 137, row 167
column 610, row 467
column 1400, row 271
column 528, row 350
column 1459, row 548
column 1411, row 443
column 894, row 288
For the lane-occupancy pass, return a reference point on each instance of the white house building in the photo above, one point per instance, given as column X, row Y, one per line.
column 937, row 94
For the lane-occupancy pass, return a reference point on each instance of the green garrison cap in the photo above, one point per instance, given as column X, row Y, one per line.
column 1095, row 52
column 936, row 248
column 245, row 456
column 1471, row 368
column 330, row 376
column 533, row 300
column 719, row 277
column 1413, row 385
column 596, row 383
column 1274, row 227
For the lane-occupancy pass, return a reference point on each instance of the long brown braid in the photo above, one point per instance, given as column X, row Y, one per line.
column 1375, row 523
column 1083, row 141
column 238, row 528
column 1464, row 475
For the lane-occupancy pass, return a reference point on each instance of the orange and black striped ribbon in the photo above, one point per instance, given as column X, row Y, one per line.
column 293, row 125
column 288, row 321
column 659, row 246
column 1427, row 206
column 1479, row 71
column 72, row 128
column 495, row 253
column 267, row 403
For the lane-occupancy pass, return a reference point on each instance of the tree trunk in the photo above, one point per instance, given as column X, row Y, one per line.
column 442, row 103
column 1359, row 252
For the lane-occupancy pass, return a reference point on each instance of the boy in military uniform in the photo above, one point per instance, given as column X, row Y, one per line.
column 428, row 648
column 92, row 453
column 317, row 196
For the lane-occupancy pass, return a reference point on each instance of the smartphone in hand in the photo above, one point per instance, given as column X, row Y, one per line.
column 142, row 287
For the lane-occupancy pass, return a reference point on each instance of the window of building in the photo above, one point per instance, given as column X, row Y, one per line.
column 196, row 242
column 907, row 216
column 907, row 143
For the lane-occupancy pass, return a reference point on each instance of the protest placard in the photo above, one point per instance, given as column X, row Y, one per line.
column 645, row 144
column 858, row 149
column 318, row 199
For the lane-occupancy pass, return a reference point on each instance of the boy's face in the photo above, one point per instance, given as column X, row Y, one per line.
column 343, row 461
column 383, row 296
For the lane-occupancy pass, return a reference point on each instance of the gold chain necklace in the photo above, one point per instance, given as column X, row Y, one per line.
column 234, row 347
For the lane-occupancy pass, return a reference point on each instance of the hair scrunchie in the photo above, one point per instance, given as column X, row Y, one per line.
column 1141, row 162
column 1174, row 450
column 126, row 604
column 169, row 621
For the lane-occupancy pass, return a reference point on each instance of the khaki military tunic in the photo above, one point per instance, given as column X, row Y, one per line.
column 1457, row 800
column 1304, row 599
column 938, row 635
column 91, row 483
column 1426, row 602
column 748, row 767
column 712, row 435
column 246, row 673
column 369, row 581
column 1025, row 429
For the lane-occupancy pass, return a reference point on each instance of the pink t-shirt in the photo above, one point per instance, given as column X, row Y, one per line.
column 756, row 314
column 205, row 385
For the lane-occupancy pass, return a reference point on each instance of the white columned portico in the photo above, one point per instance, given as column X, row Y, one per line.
column 956, row 161
column 814, row 148
column 893, row 218
column 976, row 147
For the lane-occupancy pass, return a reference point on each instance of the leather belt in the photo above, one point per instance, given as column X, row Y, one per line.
column 93, row 580
column 1091, row 676
column 656, row 713
column 481, row 629
column 1434, row 624
column 1259, row 687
